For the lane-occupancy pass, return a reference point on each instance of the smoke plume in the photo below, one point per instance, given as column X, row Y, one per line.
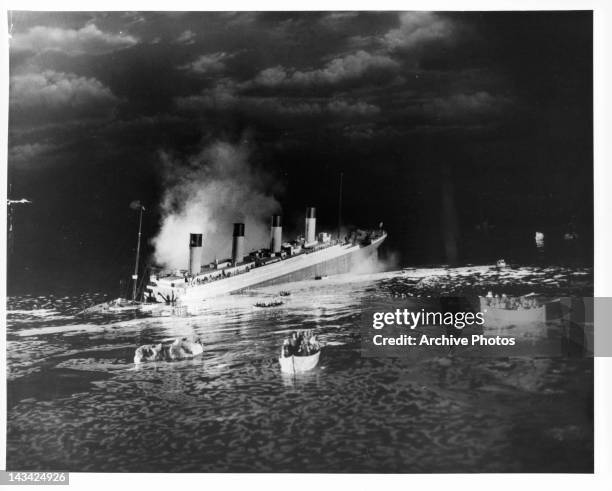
column 206, row 193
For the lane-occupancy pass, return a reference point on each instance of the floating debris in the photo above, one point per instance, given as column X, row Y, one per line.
column 179, row 349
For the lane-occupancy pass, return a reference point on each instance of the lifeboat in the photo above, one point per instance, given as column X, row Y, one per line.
column 496, row 316
column 298, row 364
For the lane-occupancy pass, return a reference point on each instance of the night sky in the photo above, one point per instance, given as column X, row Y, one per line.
column 106, row 108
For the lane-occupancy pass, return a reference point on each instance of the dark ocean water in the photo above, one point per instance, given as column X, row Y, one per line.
column 77, row 402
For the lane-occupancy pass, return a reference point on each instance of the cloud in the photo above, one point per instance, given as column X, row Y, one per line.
column 417, row 28
column 221, row 96
column 367, row 131
column 239, row 19
column 51, row 93
column 186, row 37
column 340, row 69
column 288, row 107
column 225, row 97
column 210, row 63
column 272, row 77
column 348, row 109
column 333, row 19
column 87, row 40
column 25, row 153
column 464, row 105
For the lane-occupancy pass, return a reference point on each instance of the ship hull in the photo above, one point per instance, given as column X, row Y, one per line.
column 338, row 265
column 336, row 259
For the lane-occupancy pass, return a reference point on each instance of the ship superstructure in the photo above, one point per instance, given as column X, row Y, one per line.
column 308, row 257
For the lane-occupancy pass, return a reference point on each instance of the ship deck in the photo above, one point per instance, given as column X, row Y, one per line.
column 268, row 273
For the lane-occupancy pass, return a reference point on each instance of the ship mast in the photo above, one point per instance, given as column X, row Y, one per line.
column 11, row 240
column 10, row 203
column 340, row 205
column 137, row 205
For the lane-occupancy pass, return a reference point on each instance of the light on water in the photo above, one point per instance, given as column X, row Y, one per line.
column 76, row 401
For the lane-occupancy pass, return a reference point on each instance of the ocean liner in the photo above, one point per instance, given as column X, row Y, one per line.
column 312, row 256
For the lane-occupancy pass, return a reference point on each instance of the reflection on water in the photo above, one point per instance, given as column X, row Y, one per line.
column 77, row 402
